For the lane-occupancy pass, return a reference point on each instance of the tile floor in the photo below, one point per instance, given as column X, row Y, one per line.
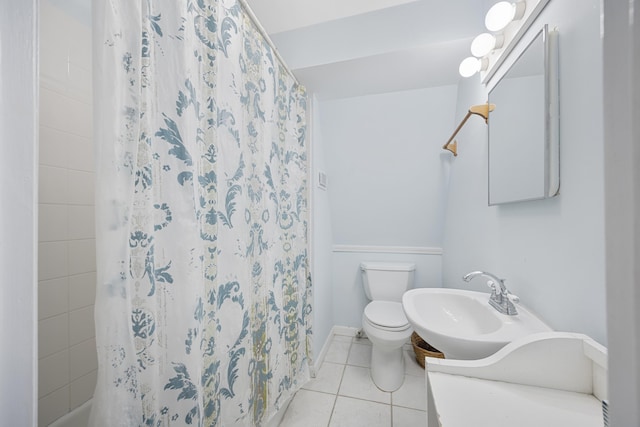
column 343, row 394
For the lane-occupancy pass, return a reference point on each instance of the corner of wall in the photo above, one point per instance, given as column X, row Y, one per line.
column 321, row 238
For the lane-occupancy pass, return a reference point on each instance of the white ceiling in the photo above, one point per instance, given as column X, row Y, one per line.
column 277, row 16
column 345, row 48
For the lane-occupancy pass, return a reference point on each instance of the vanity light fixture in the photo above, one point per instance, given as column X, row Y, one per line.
column 471, row 65
column 506, row 22
column 502, row 13
column 497, row 19
column 483, row 44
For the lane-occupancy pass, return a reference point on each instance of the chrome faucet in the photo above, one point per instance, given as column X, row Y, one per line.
column 501, row 299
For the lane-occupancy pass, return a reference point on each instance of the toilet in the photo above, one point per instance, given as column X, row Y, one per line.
column 383, row 320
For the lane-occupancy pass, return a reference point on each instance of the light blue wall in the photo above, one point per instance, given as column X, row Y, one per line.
column 386, row 185
column 19, row 214
column 551, row 251
column 385, row 173
column 390, row 184
column 321, row 241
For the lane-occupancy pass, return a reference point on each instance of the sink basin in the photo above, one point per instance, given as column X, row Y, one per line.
column 462, row 324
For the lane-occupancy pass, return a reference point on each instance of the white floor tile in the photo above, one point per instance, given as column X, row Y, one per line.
column 356, row 413
column 360, row 355
column 411, row 366
column 411, row 394
column 344, row 395
column 363, row 341
column 309, row 409
column 328, row 378
column 342, row 338
column 356, row 382
column 405, row 417
column 338, row 351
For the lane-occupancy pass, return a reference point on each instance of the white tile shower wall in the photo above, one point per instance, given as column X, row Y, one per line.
column 66, row 270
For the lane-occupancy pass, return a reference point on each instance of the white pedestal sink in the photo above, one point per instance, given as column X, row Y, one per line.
column 462, row 324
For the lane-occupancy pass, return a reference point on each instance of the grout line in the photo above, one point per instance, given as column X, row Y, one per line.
column 335, row 400
column 84, row 307
column 333, row 408
column 65, row 168
column 367, row 400
column 67, row 93
column 53, row 354
column 317, row 391
column 337, row 394
column 391, row 393
column 51, row 392
column 60, row 129
column 64, row 276
column 48, row 126
column 65, row 203
column 344, row 368
column 69, row 240
column 81, row 342
column 68, row 168
column 408, row 407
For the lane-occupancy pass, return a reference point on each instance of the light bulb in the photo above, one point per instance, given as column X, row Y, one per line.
column 484, row 43
column 469, row 66
column 502, row 13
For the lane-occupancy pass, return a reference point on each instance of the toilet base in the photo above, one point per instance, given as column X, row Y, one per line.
column 387, row 367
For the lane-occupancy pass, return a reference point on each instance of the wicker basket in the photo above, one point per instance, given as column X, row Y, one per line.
column 423, row 349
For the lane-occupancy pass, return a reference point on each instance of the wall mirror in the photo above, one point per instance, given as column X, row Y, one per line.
column 524, row 127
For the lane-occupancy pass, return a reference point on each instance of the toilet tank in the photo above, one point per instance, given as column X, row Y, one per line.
column 387, row 281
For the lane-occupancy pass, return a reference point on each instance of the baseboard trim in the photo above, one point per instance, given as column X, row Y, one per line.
column 335, row 330
column 417, row 250
column 344, row 330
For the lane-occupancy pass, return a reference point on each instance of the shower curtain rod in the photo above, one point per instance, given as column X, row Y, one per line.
column 255, row 20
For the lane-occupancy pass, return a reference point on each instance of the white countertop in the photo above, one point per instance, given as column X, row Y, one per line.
column 462, row 402
column 551, row 379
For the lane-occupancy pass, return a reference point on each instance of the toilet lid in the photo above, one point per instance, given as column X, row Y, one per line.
column 386, row 314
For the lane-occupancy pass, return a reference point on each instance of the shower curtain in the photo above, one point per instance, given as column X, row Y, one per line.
column 203, row 305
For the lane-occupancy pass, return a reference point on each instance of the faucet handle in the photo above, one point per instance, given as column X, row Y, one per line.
column 495, row 288
column 513, row 298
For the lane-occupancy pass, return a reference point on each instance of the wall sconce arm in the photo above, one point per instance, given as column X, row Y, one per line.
column 482, row 110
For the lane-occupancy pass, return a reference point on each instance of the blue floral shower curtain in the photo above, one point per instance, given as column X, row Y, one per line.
column 204, row 299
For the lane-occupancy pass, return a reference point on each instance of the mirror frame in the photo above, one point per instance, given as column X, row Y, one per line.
column 551, row 117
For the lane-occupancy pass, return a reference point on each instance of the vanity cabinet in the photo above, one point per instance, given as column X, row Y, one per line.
column 551, row 379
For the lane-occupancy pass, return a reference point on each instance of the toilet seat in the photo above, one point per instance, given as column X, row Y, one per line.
column 386, row 315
